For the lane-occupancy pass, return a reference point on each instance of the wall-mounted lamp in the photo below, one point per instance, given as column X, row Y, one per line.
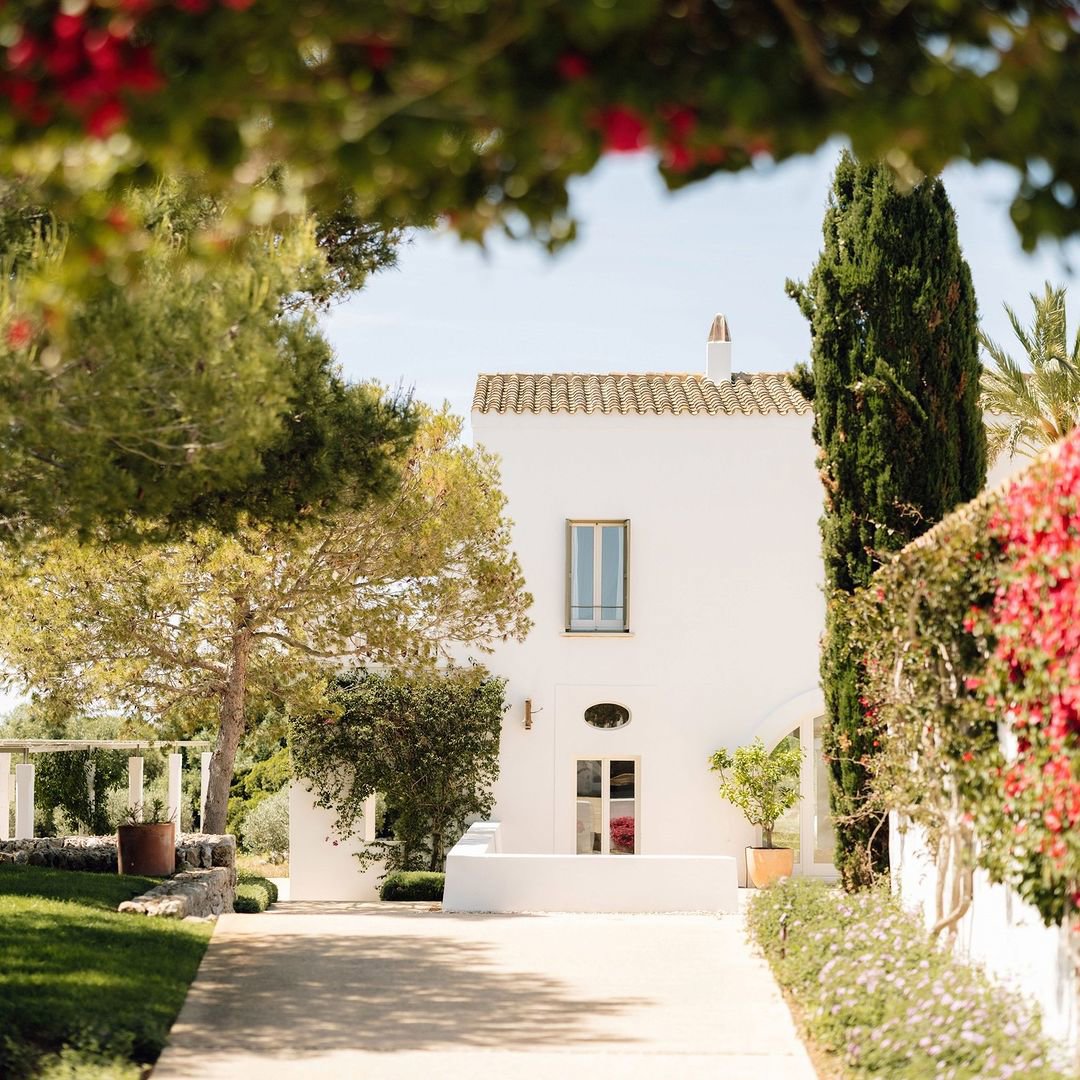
column 529, row 711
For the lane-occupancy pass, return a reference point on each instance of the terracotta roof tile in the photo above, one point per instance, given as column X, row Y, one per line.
column 746, row 394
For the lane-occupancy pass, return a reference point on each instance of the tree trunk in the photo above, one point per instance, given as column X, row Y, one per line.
column 230, row 731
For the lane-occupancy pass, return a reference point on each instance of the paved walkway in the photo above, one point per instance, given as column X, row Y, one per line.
column 373, row 992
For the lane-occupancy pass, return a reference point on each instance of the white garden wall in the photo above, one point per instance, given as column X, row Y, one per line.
column 479, row 877
column 322, row 866
column 1000, row 931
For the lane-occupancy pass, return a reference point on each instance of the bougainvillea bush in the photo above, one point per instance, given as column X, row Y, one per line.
column 1032, row 682
column 877, row 992
column 973, row 639
column 483, row 110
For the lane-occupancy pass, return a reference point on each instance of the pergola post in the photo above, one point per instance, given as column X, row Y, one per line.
column 24, row 802
column 5, row 796
column 176, row 765
column 204, row 788
column 135, row 786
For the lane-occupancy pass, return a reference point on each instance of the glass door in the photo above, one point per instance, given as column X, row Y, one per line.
column 607, row 806
column 807, row 827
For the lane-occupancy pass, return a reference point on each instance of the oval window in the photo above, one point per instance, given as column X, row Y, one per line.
column 607, row 715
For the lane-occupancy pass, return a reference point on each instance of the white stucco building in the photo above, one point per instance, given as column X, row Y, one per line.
column 667, row 526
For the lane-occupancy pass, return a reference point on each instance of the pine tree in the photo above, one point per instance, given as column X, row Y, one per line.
column 894, row 381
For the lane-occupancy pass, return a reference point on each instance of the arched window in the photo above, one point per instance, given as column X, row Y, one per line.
column 607, row 715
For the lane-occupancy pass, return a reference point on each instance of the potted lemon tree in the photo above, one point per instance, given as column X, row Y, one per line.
column 764, row 785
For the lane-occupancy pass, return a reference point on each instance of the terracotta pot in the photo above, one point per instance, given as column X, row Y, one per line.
column 766, row 865
column 149, row 850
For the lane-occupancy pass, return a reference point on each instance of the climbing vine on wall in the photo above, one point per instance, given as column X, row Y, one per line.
column 936, row 746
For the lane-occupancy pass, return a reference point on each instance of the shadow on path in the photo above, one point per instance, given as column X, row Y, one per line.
column 295, row 995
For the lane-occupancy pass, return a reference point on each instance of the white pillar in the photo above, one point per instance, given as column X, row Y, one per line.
column 204, row 788
column 369, row 819
column 5, row 796
column 24, row 802
column 176, row 764
column 135, row 786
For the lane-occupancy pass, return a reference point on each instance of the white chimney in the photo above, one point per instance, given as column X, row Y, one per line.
column 718, row 351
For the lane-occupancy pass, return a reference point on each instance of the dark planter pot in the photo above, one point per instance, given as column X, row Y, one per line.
column 149, row 850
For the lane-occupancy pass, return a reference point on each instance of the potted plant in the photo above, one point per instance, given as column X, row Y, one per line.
column 146, row 841
column 764, row 785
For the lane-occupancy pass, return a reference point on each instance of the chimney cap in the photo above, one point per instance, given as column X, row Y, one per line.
column 719, row 330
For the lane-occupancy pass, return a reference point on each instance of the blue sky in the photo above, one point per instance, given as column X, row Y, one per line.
column 639, row 287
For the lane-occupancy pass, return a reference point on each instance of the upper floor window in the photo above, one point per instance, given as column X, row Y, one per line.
column 597, row 575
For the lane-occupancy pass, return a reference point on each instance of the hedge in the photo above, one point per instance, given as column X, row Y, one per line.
column 253, row 893
column 412, row 885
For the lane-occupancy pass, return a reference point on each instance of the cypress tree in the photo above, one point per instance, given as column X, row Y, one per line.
column 894, row 381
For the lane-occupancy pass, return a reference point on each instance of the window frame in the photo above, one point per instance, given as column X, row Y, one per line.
column 605, row 802
column 597, row 626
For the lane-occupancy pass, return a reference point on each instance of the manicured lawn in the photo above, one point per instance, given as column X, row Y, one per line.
column 75, row 973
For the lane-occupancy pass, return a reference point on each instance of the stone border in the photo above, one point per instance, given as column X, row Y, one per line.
column 192, row 894
column 97, row 854
column 203, row 887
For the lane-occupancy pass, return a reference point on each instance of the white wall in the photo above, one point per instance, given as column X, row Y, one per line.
column 321, row 865
column 1000, row 931
column 725, row 604
column 479, row 877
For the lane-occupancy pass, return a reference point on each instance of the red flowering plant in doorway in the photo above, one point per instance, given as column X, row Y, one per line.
column 622, row 835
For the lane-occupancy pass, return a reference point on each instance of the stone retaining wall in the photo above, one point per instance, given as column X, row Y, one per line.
column 204, row 885
column 97, row 854
column 197, row 894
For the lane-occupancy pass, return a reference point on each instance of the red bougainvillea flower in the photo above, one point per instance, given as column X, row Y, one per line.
column 118, row 218
column 623, row 129
column 23, row 53
column 572, row 66
column 681, row 121
column 67, row 27
column 20, row 333
column 380, row 53
column 107, row 118
column 679, row 158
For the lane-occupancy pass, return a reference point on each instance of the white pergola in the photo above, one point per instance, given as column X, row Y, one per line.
column 24, row 775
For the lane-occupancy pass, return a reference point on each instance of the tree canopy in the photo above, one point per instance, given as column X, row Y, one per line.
column 181, row 392
column 205, row 631
column 1033, row 409
column 428, row 743
column 482, row 110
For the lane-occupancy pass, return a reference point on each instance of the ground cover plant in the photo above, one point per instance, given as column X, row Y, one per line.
column 878, row 993
column 82, row 986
